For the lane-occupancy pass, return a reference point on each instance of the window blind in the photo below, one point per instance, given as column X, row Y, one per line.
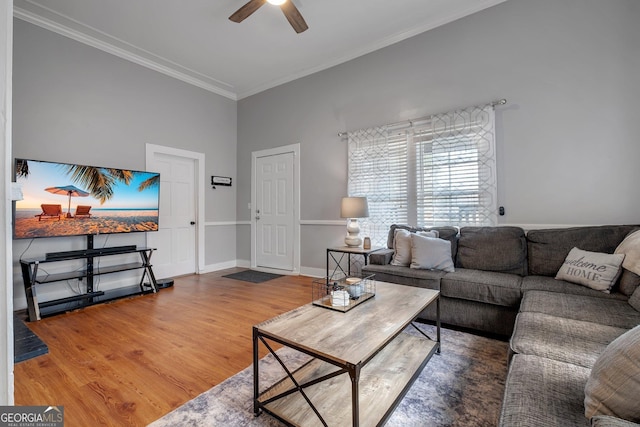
column 439, row 170
column 456, row 169
column 377, row 164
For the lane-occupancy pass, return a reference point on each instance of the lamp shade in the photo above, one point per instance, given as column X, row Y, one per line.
column 354, row 207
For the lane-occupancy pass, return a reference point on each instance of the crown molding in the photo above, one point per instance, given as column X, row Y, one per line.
column 125, row 51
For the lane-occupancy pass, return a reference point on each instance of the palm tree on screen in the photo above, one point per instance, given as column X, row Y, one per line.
column 22, row 168
column 98, row 181
column 149, row 182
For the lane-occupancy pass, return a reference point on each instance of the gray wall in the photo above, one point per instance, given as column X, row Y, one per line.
column 77, row 104
column 567, row 139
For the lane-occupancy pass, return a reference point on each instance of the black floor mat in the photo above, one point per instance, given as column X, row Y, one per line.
column 26, row 344
column 253, row 276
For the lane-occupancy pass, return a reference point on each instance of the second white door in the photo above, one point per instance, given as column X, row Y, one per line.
column 176, row 237
column 274, row 211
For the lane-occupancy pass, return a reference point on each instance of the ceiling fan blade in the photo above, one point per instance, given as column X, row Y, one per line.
column 245, row 11
column 294, row 17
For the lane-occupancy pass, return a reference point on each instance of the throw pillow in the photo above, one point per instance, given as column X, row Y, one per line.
column 634, row 300
column 431, row 253
column 392, row 231
column 614, row 384
column 402, row 246
column 592, row 269
column 630, row 247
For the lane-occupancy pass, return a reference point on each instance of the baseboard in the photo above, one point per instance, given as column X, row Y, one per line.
column 276, row 271
column 243, row 263
column 313, row 272
column 219, row 266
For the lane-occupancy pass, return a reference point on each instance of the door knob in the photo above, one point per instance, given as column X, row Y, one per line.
column 192, row 223
column 257, row 216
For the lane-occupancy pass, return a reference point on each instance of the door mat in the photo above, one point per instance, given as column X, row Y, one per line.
column 253, row 276
column 26, row 344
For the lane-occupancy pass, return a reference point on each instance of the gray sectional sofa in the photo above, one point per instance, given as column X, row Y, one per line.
column 504, row 283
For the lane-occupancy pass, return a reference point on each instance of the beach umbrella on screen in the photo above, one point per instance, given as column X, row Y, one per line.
column 68, row 190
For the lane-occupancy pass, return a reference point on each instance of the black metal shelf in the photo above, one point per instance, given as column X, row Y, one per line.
column 60, row 277
column 32, row 279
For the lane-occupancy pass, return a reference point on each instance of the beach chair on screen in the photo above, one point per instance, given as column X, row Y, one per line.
column 50, row 211
column 82, row 211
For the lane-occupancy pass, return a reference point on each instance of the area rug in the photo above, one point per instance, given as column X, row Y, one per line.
column 462, row 386
column 253, row 276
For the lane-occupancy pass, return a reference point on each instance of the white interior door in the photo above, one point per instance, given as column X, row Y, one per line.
column 274, row 211
column 176, row 238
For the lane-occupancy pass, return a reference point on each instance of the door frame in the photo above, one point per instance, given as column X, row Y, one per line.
column 6, row 252
column 199, row 163
column 295, row 149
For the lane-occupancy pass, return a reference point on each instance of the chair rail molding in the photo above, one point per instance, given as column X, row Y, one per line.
column 331, row 222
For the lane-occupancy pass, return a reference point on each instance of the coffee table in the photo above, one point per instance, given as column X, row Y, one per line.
column 361, row 366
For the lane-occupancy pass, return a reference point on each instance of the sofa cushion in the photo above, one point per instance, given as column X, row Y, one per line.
column 547, row 249
column 543, row 283
column 594, row 270
column 604, row 311
column 634, row 300
column 429, row 253
column 499, row 249
column 613, row 388
column 429, row 279
column 447, row 233
column 381, row 256
column 543, row 392
column 497, row 320
column 558, row 338
column 609, row 421
column 483, row 286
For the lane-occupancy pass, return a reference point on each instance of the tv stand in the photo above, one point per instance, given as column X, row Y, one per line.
column 90, row 252
column 32, row 278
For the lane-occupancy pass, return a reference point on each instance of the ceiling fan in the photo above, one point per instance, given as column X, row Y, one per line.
column 290, row 11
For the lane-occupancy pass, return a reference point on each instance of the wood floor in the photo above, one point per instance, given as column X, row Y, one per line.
column 130, row 362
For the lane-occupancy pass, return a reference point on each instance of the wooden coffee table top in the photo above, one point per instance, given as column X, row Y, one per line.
column 353, row 337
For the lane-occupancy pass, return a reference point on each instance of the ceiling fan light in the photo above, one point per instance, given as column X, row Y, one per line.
column 276, row 2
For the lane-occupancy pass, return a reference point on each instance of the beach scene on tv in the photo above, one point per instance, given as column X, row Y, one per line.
column 61, row 199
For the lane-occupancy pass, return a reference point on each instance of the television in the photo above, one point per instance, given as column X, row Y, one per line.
column 64, row 199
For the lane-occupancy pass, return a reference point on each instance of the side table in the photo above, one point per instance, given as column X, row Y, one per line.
column 332, row 253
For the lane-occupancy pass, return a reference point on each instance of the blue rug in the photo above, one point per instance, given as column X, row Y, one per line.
column 463, row 386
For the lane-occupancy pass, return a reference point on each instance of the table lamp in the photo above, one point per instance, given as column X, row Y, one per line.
column 353, row 208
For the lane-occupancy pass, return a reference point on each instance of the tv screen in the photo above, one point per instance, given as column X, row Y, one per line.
column 61, row 199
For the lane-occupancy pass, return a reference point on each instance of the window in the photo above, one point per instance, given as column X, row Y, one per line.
column 435, row 171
